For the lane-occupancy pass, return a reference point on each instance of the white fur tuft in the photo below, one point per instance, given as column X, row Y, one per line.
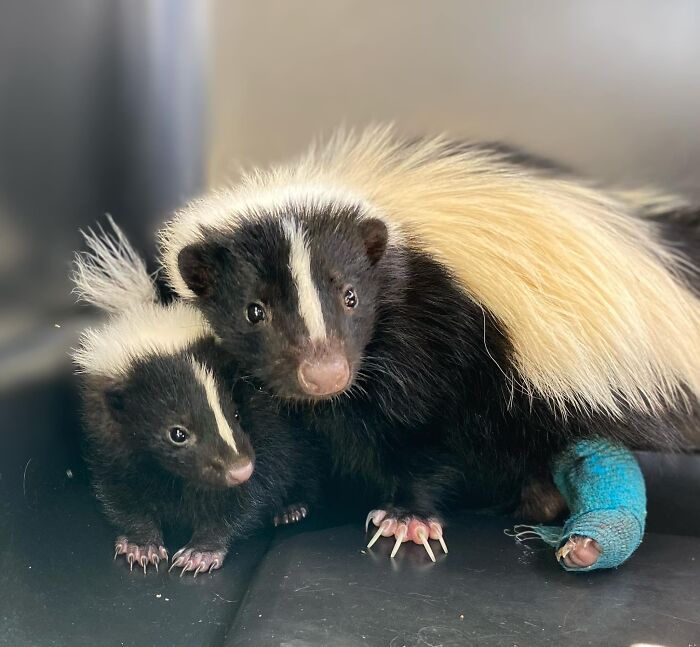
column 593, row 304
column 111, row 275
column 147, row 330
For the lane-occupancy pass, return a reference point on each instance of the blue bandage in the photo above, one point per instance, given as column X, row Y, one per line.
column 604, row 490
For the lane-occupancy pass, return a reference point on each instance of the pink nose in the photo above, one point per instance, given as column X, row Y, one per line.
column 324, row 377
column 238, row 475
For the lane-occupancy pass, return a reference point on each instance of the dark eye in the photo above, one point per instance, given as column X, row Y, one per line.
column 349, row 297
column 178, row 435
column 255, row 313
column 236, row 416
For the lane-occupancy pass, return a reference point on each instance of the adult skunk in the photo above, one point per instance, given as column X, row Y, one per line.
column 449, row 315
column 165, row 440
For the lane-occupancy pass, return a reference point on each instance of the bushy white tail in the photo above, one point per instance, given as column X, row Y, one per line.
column 111, row 275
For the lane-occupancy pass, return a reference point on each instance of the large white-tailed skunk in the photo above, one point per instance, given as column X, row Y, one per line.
column 164, row 437
column 449, row 315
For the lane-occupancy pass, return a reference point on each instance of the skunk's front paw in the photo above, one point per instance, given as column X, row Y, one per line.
column 579, row 552
column 404, row 526
column 291, row 514
column 191, row 558
column 140, row 554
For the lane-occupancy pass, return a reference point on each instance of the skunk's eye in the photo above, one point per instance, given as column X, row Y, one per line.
column 178, row 435
column 255, row 313
column 236, row 415
column 349, row 297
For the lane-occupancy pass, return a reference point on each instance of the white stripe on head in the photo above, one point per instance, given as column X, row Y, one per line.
column 206, row 379
column 300, row 266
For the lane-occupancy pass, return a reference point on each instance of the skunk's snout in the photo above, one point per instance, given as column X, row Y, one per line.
column 240, row 473
column 325, row 375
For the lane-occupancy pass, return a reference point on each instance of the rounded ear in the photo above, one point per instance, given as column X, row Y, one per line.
column 116, row 401
column 197, row 264
column 375, row 236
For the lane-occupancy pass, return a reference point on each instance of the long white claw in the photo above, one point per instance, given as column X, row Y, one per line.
column 429, row 550
column 376, row 516
column 376, row 536
column 400, row 536
column 369, row 516
column 424, row 540
column 186, row 568
column 199, row 569
column 436, row 529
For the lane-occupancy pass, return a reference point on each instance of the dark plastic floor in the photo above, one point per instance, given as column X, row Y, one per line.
column 315, row 584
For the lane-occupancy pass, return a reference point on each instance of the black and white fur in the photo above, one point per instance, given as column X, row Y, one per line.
column 436, row 411
column 429, row 417
column 173, row 436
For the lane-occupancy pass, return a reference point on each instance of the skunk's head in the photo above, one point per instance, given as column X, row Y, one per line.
column 294, row 295
column 173, row 409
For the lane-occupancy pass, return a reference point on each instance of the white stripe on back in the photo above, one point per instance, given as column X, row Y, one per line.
column 300, row 266
column 206, row 379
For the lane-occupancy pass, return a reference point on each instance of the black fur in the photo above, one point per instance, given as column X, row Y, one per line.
column 435, row 416
column 680, row 230
column 144, row 482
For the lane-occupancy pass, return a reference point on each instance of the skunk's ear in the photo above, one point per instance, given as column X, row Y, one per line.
column 375, row 236
column 198, row 266
column 116, row 401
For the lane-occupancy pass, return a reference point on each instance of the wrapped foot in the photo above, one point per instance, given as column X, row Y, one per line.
column 604, row 489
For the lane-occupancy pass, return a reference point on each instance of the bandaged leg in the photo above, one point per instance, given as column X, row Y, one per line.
column 604, row 490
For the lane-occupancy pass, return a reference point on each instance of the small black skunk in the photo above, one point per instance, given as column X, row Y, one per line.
column 165, row 419
column 451, row 315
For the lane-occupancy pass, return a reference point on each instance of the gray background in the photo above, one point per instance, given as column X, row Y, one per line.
column 134, row 107
column 611, row 87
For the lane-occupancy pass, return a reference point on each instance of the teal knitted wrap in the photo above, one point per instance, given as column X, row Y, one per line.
column 604, row 490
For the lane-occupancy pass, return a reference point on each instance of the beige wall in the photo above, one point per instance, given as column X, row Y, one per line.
column 611, row 87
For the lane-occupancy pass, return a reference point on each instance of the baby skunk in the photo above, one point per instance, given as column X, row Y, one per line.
column 456, row 314
column 165, row 441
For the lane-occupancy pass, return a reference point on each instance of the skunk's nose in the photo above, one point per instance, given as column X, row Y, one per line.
column 325, row 376
column 240, row 474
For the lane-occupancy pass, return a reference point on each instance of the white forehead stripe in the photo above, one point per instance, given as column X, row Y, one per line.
column 206, row 379
column 300, row 266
